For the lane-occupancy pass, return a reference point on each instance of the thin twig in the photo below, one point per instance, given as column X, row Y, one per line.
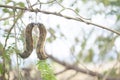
column 47, row 2
column 67, row 17
column 11, row 29
column 4, row 60
column 38, row 2
column 71, row 76
column 64, row 8
column 61, row 71
column 29, row 4
column 2, row 19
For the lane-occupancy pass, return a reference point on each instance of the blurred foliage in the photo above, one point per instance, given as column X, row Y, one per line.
column 52, row 35
column 46, row 70
column 1, row 53
column 112, row 72
column 103, row 46
column 1, row 48
column 89, row 56
column 110, row 2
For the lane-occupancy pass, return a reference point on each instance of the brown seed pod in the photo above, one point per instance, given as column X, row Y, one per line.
column 41, row 42
column 28, row 40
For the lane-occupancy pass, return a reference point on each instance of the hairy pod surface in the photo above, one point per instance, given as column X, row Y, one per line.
column 29, row 41
column 41, row 42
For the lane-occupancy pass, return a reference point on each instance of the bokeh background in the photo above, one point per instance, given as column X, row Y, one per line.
column 78, row 50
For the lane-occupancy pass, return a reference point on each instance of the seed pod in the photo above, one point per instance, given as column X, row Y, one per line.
column 28, row 41
column 41, row 42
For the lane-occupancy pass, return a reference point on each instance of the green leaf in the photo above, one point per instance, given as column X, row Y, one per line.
column 51, row 31
column 112, row 72
column 1, row 69
column 6, row 10
column 21, row 4
column 77, row 10
column 90, row 55
column 106, row 2
column 1, row 46
column 60, row 1
column 46, row 70
column 8, row 1
column 6, row 22
column 83, row 45
column 84, row 1
column 118, row 17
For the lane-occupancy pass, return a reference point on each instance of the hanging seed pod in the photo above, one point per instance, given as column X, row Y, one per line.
column 28, row 41
column 41, row 42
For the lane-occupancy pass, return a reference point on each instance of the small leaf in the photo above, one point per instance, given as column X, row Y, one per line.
column 84, row 1
column 90, row 55
column 77, row 10
column 6, row 22
column 51, row 31
column 60, row 1
column 83, row 45
column 1, row 48
column 21, row 4
column 46, row 71
column 1, row 69
column 6, row 10
column 8, row 1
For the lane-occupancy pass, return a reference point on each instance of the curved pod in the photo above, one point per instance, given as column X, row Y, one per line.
column 29, row 41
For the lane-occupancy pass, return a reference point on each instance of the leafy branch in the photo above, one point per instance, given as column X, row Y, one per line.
column 46, row 71
column 12, row 28
column 80, row 19
column 4, row 59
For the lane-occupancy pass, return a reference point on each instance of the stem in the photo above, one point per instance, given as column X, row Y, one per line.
column 80, row 19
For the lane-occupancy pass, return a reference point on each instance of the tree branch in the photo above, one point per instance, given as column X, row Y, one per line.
column 67, row 17
column 78, row 69
column 61, row 71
